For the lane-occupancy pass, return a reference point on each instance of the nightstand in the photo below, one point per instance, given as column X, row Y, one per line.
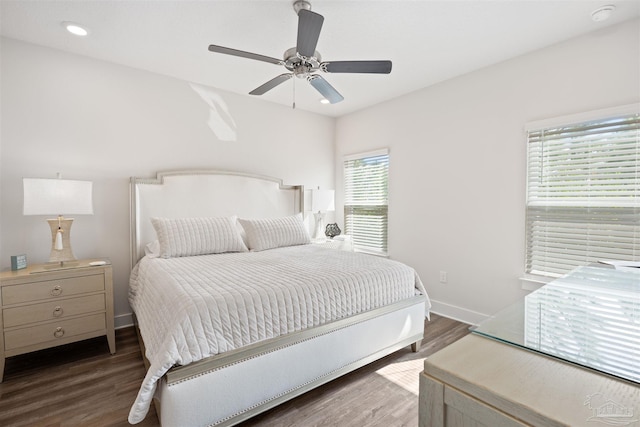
column 47, row 305
column 342, row 242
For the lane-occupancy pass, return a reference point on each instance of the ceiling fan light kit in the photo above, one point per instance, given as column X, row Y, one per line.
column 304, row 61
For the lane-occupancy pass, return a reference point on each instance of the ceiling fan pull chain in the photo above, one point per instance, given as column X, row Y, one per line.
column 294, row 93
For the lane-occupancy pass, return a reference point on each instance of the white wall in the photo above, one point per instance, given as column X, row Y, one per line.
column 457, row 153
column 103, row 122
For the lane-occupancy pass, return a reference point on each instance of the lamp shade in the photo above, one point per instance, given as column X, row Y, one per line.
column 322, row 200
column 57, row 197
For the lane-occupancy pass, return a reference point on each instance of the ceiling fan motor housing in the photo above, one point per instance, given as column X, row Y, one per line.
column 301, row 66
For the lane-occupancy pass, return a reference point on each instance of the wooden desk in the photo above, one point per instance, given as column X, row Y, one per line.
column 478, row 382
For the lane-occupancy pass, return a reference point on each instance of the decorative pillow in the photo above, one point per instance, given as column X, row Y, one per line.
column 275, row 232
column 197, row 236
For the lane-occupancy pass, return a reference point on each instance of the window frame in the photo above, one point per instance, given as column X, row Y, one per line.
column 380, row 224
column 630, row 208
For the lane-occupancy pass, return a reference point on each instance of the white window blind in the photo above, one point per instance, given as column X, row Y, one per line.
column 366, row 192
column 583, row 194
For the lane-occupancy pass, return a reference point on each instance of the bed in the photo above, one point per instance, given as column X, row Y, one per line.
column 237, row 310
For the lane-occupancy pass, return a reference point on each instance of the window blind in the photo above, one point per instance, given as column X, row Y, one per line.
column 366, row 192
column 583, row 194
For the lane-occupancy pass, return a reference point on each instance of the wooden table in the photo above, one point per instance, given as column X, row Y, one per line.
column 478, row 381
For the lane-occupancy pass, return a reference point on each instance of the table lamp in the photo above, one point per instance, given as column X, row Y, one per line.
column 58, row 197
column 321, row 202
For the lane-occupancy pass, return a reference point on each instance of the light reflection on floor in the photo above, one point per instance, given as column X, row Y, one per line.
column 404, row 374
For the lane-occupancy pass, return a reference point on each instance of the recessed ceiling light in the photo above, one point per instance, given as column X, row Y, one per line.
column 602, row 13
column 75, row 29
column 324, row 101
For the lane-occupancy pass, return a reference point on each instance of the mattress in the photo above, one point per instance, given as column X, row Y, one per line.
column 190, row 308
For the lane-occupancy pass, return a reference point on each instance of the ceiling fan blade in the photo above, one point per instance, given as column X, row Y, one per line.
column 309, row 26
column 243, row 54
column 378, row 67
column 271, row 84
column 325, row 89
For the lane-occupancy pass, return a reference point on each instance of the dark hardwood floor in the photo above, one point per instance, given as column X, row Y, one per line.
column 81, row 384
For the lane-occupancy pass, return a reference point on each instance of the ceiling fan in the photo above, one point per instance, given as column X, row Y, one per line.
column 303, row 60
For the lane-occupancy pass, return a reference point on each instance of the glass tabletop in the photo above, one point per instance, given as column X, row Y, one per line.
column 590, row 317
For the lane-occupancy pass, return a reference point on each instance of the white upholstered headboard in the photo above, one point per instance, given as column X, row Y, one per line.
column 206, row 193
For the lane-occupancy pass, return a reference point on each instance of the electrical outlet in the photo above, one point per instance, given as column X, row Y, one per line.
column 443, row 277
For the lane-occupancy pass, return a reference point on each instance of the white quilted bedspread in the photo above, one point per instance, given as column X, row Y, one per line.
column 191, row 308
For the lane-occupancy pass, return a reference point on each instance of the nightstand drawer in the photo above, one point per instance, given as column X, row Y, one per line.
column 52, row 289
column 53, row 331
column 51, row 310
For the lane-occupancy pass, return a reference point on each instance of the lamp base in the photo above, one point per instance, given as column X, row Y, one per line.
column 64, row 254
column 319, row 232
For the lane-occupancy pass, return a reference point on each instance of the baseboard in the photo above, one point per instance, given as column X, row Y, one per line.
column 123, row 320
column 457, row 313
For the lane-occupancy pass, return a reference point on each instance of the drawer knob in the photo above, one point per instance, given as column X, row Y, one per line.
column 57, row 312
column 59, row 332
column 57, row 290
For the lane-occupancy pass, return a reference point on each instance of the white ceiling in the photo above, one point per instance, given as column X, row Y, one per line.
column 428, row 41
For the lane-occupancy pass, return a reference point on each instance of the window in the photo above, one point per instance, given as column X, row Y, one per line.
column 583, row 191
column 366, row 199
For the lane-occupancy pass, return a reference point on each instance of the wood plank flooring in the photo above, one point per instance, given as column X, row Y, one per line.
column 81, row 384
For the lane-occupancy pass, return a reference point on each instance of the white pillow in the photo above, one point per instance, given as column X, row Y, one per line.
column 197, row 236
column 275, row 232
